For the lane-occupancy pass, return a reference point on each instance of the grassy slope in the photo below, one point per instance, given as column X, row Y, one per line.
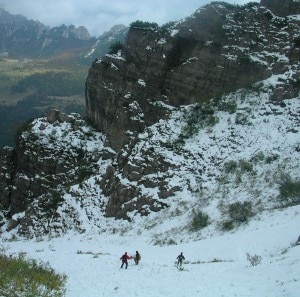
column 17, row 107
column 20, row 277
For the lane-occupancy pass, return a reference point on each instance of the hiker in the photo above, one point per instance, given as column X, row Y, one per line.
column 124, row 259
column 180, row 258
column 298, row 241
column 137, row 257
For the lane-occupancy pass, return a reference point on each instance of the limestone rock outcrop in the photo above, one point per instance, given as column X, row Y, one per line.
column 219, row 49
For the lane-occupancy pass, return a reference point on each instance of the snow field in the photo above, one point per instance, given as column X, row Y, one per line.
column 214, row 266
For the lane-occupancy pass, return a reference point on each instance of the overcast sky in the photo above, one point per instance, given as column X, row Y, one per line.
column 99, row 16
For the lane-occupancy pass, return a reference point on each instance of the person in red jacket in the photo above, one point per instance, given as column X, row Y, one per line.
column 124, row 259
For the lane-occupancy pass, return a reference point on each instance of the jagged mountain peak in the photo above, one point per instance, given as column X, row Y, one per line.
column 20, row 37
column 116, row 29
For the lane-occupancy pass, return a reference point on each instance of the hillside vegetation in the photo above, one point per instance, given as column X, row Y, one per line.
column 23, row 278
column 28, row 88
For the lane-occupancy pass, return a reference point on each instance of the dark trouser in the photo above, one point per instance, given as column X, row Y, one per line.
column 126, row 264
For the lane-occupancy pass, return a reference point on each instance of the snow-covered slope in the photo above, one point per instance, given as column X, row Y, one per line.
column 214, row 266
column 218, row 181
column 243, row 154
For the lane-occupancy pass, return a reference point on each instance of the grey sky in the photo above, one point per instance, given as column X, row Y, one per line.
column 100, row 15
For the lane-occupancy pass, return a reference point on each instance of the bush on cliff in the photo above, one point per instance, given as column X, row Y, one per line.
column 144, row 25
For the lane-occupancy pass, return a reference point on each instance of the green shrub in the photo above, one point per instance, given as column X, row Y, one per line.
column 211, row 120
column 227, row 225
column 254, row 260
column 280, row 22
column 240, row 212
column 229, row 106
column 239, row 167
column 200, row 116
column 167, row 27
column 296, row 81
column 230, row 166
column 115, row 47
column 199, row 220
column 271, row 158
column 250, row 5
column 289, row 190
column 245, row 166
column 144, row 25
column 297, row 41
column 244, row 59
column 268, row 14
column 258, row 157
column 20, row 277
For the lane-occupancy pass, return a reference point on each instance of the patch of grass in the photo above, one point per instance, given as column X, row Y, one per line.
column 215, row 260
column 245, row 166
column 20, row 277
column 164, row 241
column 239, row 167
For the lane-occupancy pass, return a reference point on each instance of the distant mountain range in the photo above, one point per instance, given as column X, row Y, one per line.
column 20, row 37
column 43, row 68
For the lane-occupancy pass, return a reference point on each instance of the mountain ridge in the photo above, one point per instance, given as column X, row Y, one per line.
column 62, row 163
column 21, row 37
column 216, row 178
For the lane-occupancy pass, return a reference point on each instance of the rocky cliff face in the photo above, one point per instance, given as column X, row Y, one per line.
column 219, row 49
column 36, row 169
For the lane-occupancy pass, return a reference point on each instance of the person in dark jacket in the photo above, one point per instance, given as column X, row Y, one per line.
column 180, row 259
column 125, row 259
column 137, row 257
